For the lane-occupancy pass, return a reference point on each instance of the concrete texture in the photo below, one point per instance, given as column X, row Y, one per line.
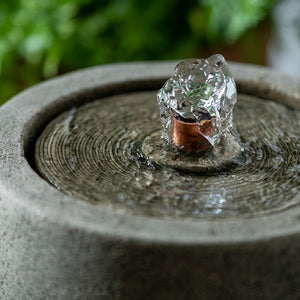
column 53, row 246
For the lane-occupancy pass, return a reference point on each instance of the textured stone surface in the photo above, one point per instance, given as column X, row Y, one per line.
column 56, row 247
column 154, row 145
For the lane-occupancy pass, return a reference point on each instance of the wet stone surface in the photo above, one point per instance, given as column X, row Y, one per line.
column 159, row 152
column 95, row 153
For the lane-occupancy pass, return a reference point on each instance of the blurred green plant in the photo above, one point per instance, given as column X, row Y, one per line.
column 40, row 39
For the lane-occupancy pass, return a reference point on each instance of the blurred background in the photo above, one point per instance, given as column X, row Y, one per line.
column 42, row 39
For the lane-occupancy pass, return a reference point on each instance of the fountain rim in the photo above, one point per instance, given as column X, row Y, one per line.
column 22, row 187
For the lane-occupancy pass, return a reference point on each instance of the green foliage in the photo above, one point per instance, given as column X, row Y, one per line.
column 227, row 19
column 41, row 38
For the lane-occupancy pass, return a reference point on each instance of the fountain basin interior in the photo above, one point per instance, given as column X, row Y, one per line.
column 72, row 167
column 94, row 152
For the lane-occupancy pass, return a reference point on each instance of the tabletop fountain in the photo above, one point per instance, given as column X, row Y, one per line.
column 133, row 181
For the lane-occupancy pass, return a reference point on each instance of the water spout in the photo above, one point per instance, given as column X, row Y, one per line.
column 196, row 104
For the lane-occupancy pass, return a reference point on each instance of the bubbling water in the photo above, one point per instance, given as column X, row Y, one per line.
column 201, row 89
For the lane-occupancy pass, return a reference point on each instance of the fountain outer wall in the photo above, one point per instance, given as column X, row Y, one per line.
column 58, row 247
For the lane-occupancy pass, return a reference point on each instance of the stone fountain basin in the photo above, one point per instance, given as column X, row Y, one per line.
column 55, row 245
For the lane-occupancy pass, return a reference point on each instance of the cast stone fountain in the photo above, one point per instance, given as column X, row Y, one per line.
column 94, row 204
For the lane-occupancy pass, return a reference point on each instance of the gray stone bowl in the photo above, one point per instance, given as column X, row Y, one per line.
column 53, row 246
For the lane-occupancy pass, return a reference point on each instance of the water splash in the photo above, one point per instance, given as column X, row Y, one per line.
column 201, row 89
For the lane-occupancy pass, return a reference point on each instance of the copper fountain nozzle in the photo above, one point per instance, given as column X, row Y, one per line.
column 185, row 134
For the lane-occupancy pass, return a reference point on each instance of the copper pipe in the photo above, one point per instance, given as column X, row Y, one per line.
column 186, row 135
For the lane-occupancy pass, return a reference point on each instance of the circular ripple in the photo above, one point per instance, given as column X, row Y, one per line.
column 94, row 153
